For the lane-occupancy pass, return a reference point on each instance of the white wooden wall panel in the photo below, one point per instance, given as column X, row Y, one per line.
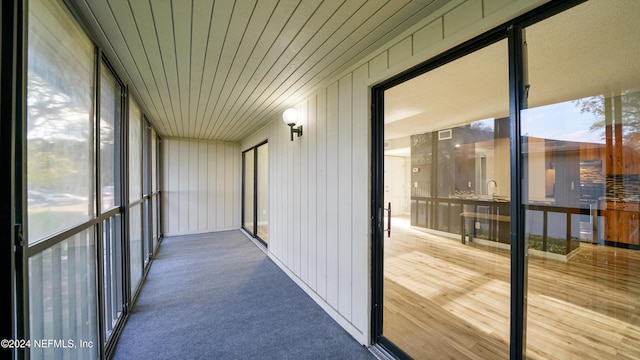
column 172, row 194
column 380, row 63
column 344, row 196
column 203, row 195
column 462, row 16
column 297, row 205
column 291, row 215
column 194, row 191
column 220, row 193
column 212, row 174
column 319, row 184
column 360, row 170
column 304, row 197
column 202, row 187
column 332, row 194
column 427, row 36
column 401, row 51
column 311, row 205
column 183, row 187
column 321, row 193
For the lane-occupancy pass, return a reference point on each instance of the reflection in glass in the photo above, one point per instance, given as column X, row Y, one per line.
column 248, row 183
column 154, row 161
column 263, row 192
column 135, row 152
column 109, row 126
column 446, row 174
column 581, row 188
column 62, row 298
column 135, row 246
column 112, row 270
column 59, row 121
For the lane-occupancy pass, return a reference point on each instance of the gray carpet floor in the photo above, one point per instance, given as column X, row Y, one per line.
column 217, row 296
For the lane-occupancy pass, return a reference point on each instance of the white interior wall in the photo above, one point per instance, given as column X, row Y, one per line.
column 201, row 186
column 396, row 171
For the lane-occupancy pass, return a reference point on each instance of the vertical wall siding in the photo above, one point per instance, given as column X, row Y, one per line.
column 202, row 186
column 319, row 191
column 319, row 184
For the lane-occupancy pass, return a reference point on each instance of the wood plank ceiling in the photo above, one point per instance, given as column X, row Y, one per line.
column 220, row 70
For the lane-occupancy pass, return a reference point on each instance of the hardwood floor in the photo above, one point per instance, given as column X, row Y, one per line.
column 446, row 300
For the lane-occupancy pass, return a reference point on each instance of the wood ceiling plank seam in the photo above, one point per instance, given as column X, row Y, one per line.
column 262, row 58
column 297, row 29
column 121, row 26
column 273, row 103
column 233, row 61
column 201, row 18
column 129, row 28
column 322, row 14
column 106, row 21
column 215, row 73
column 162, row 42
column 158, row 114
column 337, row 11
column 221, row 11
column 328, row 73
column 289, row 88
column 258, row 32
column 181, row 41
column 337, row 33
column 417, row 15
column 146, row 30
column 283, row 31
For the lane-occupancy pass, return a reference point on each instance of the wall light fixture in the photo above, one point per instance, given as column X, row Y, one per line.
column 290, row 117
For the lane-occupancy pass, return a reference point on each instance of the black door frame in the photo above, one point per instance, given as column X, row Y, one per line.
column 254, row 186
column 512, row 30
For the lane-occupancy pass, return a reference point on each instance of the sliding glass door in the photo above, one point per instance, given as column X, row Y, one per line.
column 581, row 184
column 255, row 195
column 508, row 205
column 446, row 185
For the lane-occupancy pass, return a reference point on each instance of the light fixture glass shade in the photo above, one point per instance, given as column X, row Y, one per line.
column 290, row 116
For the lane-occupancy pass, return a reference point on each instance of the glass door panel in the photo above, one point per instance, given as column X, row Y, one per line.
column 262, row 189
column 255, row 192
column 248, row 191
column 581, row 186
column 446, row 178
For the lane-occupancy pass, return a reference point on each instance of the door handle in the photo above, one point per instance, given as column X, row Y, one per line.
column 388, row 210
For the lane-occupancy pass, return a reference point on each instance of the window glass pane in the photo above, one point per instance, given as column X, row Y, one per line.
column 446, row 177
column 60, row 144
column 135, row 152
column 581, row 188
column 135, row 246
column 154, row 220
column 249, row 161
column 146, row 230
column 112, row 270
column 263, row 192
column 62, row 299
column 154, row 161
column 109, row 128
